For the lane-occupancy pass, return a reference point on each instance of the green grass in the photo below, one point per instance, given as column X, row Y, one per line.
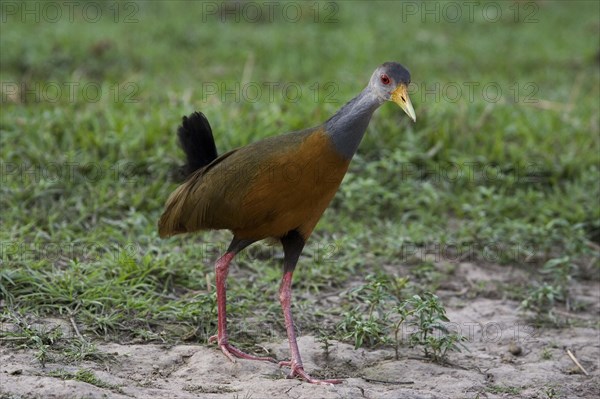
column 85, row 176
column 502, row 389
column 86, row 376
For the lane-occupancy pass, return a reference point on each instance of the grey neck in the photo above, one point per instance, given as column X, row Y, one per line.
column 347, row 127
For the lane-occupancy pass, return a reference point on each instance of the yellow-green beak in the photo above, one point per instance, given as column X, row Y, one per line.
column 400, row 97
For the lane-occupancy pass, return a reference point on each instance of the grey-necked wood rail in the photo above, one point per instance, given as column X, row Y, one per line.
column 277, row 187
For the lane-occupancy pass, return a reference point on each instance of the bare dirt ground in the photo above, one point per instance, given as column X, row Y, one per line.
column 488, row 370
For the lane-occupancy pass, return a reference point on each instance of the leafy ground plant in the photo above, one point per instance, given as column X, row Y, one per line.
column 368, row 330
column 427, row 316
column 421, row 319
column 542, row 298
column 84, row 375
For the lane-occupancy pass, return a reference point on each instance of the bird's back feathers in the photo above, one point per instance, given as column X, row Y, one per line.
column 262, row 190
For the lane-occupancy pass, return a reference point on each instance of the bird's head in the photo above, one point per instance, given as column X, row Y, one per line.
column 390, row 83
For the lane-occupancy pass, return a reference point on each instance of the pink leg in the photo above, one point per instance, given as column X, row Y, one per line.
column 297, row 369
column 221, row 271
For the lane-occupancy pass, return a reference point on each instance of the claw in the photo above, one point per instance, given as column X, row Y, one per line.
column 297, row 371
column 232, row 352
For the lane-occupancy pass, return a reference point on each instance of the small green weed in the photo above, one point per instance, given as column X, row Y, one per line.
column 367, row 331
column 500, row 389
column 387, row 315
column 427, row 315
column 369, row 328
column 561, row 271
column 546, row 354
column 324, row 337
column 84, row 375
column 541, row 300
column 551, row 392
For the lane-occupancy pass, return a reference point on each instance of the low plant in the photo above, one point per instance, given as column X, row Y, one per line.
column 426, row 316
column 382, row 313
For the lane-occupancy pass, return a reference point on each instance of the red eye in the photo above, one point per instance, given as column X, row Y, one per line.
column 385, row 79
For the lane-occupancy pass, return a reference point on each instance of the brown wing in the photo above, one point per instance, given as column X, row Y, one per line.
column 262, row 190
column 178, row 206
column 296, row 190
column 211, row 198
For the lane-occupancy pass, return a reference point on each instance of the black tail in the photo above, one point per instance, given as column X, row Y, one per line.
column 197, row 141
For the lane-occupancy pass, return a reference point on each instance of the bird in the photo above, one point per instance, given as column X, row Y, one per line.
column 276, row 188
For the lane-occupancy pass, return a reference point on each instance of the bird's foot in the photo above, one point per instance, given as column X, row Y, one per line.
column 232, row 352
column 297, row 371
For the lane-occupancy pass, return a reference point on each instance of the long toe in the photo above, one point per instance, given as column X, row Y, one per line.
column 298, row 372
column 242, row 355
column 232, row 352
